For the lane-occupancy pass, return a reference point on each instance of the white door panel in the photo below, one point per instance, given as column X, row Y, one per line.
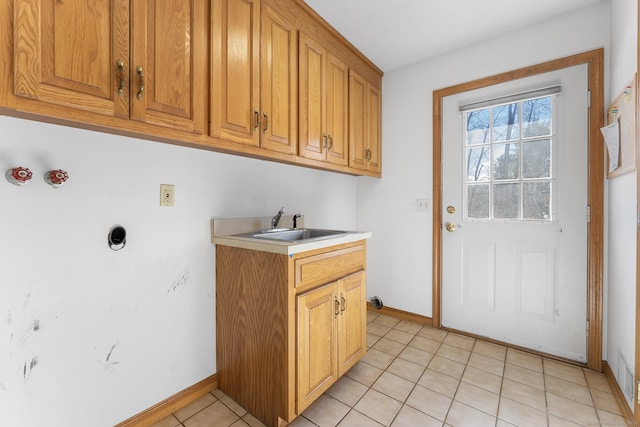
column 521, row 282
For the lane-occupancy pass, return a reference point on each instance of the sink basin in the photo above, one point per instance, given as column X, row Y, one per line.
column 294, row 234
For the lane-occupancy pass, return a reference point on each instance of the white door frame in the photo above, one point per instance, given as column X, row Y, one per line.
column 595, row 228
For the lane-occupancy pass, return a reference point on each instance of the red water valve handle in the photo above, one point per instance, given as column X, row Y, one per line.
column 19, row 175
column 56, row 177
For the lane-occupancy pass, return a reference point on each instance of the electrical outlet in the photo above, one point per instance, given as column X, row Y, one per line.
column 167, row 194
column 423, row 205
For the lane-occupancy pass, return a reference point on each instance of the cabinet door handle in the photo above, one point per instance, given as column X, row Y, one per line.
column 257, row 120
column 140, row 83
column 337, row 306
column 324, row 140
column 330, row 144
column 122, row 71
column 266, row 123
column 343, row 305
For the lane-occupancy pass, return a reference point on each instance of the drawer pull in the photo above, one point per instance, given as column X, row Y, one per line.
column 337, row 305
column 343, row 305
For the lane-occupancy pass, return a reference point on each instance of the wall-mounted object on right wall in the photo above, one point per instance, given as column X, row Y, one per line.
column 620, row 133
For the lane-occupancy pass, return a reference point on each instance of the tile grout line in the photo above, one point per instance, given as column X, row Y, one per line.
column 415, row 383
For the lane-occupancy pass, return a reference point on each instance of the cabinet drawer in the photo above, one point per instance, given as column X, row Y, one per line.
column 326, row 267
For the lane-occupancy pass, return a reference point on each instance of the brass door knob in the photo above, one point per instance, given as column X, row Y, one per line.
column 450, row 227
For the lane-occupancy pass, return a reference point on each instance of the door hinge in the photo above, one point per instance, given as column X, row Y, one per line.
column 588, row 213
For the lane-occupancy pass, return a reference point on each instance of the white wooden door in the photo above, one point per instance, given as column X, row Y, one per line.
column 514, row 244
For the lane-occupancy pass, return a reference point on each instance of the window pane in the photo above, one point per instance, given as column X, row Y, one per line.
column 536, row 199
column 478, row 201
column 478, row 165
column 509, row 161
column 478, row 127
column 536, row 117
column 506, row 161
column 505, row 123
column 536, row 159
column 506, row 200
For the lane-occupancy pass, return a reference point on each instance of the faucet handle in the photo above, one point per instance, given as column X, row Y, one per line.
column 295, row 220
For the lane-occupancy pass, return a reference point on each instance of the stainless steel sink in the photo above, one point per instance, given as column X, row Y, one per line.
column 294, row 234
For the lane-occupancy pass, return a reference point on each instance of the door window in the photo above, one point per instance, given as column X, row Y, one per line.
column 508, row 161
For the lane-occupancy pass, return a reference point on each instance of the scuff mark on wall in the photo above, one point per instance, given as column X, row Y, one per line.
column 111, row 351
column 182, row 280
column 31, row 330
column 28, row 368
column 108, row 363
column 27, row 298
column 9, row 318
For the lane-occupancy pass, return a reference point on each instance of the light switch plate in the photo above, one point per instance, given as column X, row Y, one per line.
column 167, row 194
column 423, row 205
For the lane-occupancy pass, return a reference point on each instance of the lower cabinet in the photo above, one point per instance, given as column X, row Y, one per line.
column 287, row 326
column 331, row 335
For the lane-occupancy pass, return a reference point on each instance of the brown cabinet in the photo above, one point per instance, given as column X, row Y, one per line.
column 287, row 327
column 114, row 57
column 262, row 78
column 253, row 75
column 331, row 335
column 323, row 108
column 365, row 112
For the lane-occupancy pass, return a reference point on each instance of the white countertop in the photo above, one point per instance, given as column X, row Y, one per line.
column 289, row 248
column 224, row 232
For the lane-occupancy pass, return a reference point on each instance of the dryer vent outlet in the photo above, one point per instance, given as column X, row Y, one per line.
column 376, row 302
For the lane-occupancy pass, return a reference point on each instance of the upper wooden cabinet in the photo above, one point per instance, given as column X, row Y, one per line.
column 235, row 70
column 365, row 142
column 323, row 112
column 253, row 75
column 263, row 78
column 141, row 61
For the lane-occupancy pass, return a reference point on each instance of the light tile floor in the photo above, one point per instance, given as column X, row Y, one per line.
column 415, row 376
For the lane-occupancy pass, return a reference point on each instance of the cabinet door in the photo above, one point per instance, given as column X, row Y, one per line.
column 235, row 71
column 318, row 312
column 374, row 137
column 364, row 124
column 279, row 83
column 352, row 332
column 66, row 53
column 337, row 102
column 357, row 120
column 168, row 63
column 313, row 137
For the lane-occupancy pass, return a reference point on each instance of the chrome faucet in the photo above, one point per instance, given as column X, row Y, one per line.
column 276, row 219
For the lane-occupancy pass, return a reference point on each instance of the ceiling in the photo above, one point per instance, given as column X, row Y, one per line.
column 395, row 33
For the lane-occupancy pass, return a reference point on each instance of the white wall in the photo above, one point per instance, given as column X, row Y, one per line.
column 399, row 267
column 621, row 290
column 89, row 336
